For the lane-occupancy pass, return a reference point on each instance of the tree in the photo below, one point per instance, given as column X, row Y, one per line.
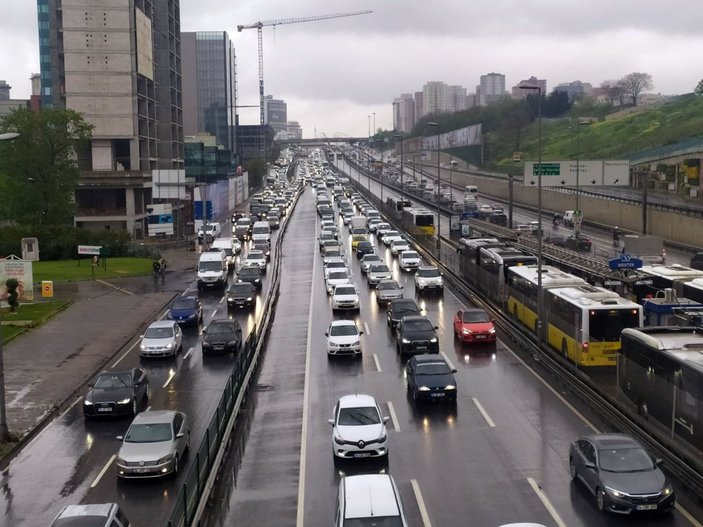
column 633, row 84
column 699, row 89
column 38, row 170
column 256, row 168
column 613, row 91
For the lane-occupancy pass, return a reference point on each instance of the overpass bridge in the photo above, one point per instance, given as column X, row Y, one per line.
column 320, row 141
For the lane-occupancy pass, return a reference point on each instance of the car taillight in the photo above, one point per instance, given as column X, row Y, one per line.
column 584, row 347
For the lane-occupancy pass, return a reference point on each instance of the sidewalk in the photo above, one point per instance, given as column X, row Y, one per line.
column 45, row 366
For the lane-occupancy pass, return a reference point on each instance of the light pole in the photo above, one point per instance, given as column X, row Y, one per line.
column 579, row 124
column 540, row 302
column 452, row 163
column 402, row 167
column 439, row 213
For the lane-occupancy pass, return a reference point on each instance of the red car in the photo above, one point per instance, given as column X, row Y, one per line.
column 474, row 325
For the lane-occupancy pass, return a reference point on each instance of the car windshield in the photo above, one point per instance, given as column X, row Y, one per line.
column 404, row 308
column 210, row 266
column 364, row 415
column 384, row 286
column 418, row 325
column 149, row 433
column 629, row 459
column 345, row 291
column 220, row 328
column 336, row 265
column 332, row 252
column 209, row 228
column 343, row 330
column 392, row 233
column 240, row 289
column 383, row 268
column 255, row 255
column 158, row 333
column 370, row 258
column 432, row 368
column 428, row 273
column 398, row 243
column 113, row 380
column 249, row 273
column 243, row 223
column 410, row 254
column 183, row 303
column 476, row 316
column 338, row 275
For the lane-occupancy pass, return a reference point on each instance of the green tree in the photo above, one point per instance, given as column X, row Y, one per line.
column 38, row 170
column 256, row 168
column 699, row 89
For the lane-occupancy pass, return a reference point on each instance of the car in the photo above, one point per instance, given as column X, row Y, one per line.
column 498, row 218
column 347, row 216
column 408, row 260
column 378, row 272
column 485, row 210
column 390, row 236
column 154, row 445
column 620, row 474
column 556, row 238
column 264, row 246
column 430, row 378
column 331, row 253
column 257, row 258
column 364, row 247
column 697, row 261
column 428, row 277
column 336, row 277
column 416, row 334
column 358, row 428
column 368, row 260
column 579, row 243
column 343, row 338
column 474, row 325
column 162, row 338
column 251, row 274
column 357, row 238
column 325, row 236
column 335, row 264
column 91, row 515
column 373, row 223
column 116, row 392
column 398, row 246
column 388, row 290
column 345, row 297
column 332, row 242
column 274, row 217
column 369, row 499
column 397, row 309
column 223, row 335
column 242, row 229
column 241, row 295
column 382, row 228
column 209, row 231
column 186, row 310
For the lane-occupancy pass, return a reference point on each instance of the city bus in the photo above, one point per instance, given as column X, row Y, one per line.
column 660, row 377
column 656, row 278
column 419, row 222
column 493, row 264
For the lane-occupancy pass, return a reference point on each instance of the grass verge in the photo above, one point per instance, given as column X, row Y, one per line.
column 72, row 270
column 30, row 315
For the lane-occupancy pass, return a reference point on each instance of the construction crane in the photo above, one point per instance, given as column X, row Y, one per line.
column 278, row 22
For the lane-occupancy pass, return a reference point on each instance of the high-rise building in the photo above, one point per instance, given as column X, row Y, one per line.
column 209, row 85
column 117, row 62
column 519, row 93
column 455, row 99
column 294, row 130
column 434, row 98
column 419, row 106
column 492, row 88
column 276, row 112
column 404, row 113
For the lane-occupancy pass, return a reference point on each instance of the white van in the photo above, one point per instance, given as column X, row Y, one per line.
column 212, row 270
column 261, row 231
column 470, row 190
column 371, row 498
column 227, row 245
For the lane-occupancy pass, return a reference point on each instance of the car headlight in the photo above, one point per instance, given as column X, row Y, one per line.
column 405, row 341
column 450, row 387
column 232, row 343
column 86, row 402
column 169, row 345
column 668, row 490
column 433, row 340
column 338, row 440
column 121, row 461
column 165, row 459
column 356, row 343
column 615, row 492
column 466, row 331
column 423, row 389
column 492, row 330
column 206, row 344
column 142, row 346
column 383, row 437
column 249, row 299
column 230, row 299
column 421, row 281
column 125, row 401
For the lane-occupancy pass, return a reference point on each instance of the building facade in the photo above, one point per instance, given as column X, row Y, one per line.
column 519, row 93
column 294, row 130
column 6, row 103
column 455, row 99
column 117, row 62
column 276, row 112
column 434, row 98
column 575, row 89
column 492, row 88
column 404, row 113
column 209, row 85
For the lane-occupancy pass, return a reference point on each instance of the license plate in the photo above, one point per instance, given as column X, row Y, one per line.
column 436, row 395
column 480, row 336
column 141, row 470
column 647, row 507
column 363, row 454
column 420, row 347
column 104, row 409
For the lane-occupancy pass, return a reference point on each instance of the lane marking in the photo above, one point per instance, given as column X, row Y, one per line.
column 213, row 314
column 171, row 375
column 547, row 504
column 102, row 472
column 148, row 408
column 687, row 515
column 366, row 328
column 188, row 352
column 394, row 417
column 421, row 503
column 446, row 359
column 300, row 518
column 163, row 315
column 222, row 299
column 484, row 413
column 126, row 352
column 74, row 403
column 378, row 364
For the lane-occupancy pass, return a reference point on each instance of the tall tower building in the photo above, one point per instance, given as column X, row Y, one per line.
column 209, row 88
column 404, row 113
column 118, row 62
column 276, row 112
column 434, row 97
column 492, row 88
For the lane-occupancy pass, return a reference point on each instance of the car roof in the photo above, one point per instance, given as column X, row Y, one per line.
column 415, row 318
column 427, row 268
column 249, row 268
column 155, row 416
column 356, row 400
column 162, row 324
column 366, row 493
column 343, row 323
column 404, row 302
column 603, row 441
column 425, row 359
column 102, row 510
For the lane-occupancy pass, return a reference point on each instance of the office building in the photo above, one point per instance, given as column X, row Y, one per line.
column 404, row 113
column 118, row 63
column 434, row 98
column 294, row 130
column 419, row 106
column 455, row 99
column 575, row 89
column 492, row 88
column 6, row 103
column 276, row 112
column 250, row 143
column 519, row 93
column 209, row 85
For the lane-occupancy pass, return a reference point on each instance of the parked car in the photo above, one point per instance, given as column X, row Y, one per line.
column 388, row 290
column 186, row 310
column 241, row 295
column 358, row 428
column 162, row 338
column 116, row 392
column 343, row 338
column 416, row 334
column 154, row 445
column 429, row 377
column 474, row 325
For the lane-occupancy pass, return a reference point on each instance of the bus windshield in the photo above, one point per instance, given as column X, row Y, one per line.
column 605, row 325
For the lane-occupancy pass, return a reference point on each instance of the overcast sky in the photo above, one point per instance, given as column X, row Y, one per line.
column 335, row 73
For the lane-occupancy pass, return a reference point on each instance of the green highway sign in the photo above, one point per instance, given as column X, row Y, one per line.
column 548, row 169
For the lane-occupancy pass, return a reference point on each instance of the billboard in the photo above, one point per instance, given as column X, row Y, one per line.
column 13, row 267
column 160, row 219
column 467, row 136
column 145, row 46
column 589, row 173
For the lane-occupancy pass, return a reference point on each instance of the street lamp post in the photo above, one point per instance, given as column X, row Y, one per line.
column 540, row 292
column 402, row 167
column 439, row 213
column 579, row 124
column 452, row 163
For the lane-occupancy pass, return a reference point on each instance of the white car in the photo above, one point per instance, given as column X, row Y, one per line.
column 331, row 254
column 388, row 290
column 398, row 246
column 343, row 338
column 257, row 258
column 345, row 297
column 162, row 338
column 346, row 218
column 428, row 277
column 334, row 264
column 390, row 237
column 373, row 223
column 486, row 209
column 336, row 277
column 368, row 260
column 378, row 272
column 408, row 260
column 382, row 229
column 358, row 428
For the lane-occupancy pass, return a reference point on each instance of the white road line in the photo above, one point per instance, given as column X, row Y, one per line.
column 188, row 352
column 447, row 360
column 688, row 515
column 213, row 314
column 222, row 299
column 394, row 417
column 547, row 504
column 163, row 315
column 171, row 375
column 300, row 519
column 125, row 353
column 421, row 503
column 378, row 364
column 102, row 472
column 484, row 413
column 148, row 408
column 367, row 330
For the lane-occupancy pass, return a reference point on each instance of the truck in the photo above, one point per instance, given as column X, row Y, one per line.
column 646, row 248
column 358, row 222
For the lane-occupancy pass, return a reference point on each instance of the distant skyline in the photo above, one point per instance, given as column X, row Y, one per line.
column 333, row 74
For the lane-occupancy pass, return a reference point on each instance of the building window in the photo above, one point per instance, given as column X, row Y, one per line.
column 47, row 91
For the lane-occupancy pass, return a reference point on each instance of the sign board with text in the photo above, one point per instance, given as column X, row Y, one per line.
column 89, row 249
column 588, row 173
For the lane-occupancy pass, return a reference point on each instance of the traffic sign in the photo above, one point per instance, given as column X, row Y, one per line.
column 548, row 169
column 89, row 249
column 625, row 261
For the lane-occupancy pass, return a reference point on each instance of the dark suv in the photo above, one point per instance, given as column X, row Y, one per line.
column 251, row 274
column 579, row 243
column 416, row 334
column 398, row 309
column 222, row 336
column 242, row 294
column 697, row 261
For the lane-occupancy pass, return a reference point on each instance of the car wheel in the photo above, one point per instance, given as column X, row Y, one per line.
column 573, row 474
column 600, row 499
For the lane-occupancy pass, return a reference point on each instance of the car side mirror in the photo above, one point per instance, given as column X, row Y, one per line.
column 658, row 461
column 327, row 334
column 386, row 419
column 453, row 370
column 361, row 332
column 179, row 435
column 436, row 327
column 119, row 438
column 330, row 421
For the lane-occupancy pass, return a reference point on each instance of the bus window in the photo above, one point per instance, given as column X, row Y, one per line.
column 606, row 325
